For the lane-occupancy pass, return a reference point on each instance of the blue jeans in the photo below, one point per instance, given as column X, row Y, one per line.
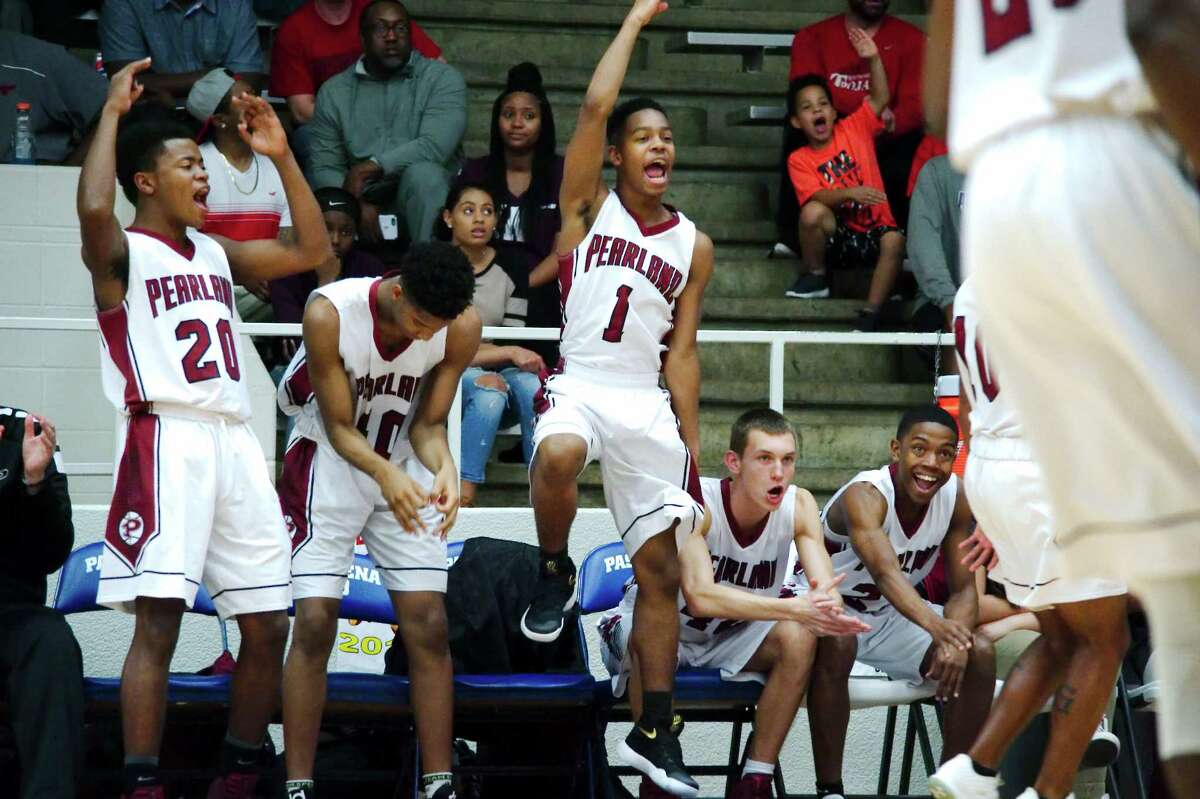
column 484, row 410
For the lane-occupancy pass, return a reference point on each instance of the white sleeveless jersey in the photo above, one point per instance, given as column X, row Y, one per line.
column 1018, row 63
column 991, row 414
column 619, row 288
column 916, row 552
column 174, row 339
column 385, row 384
column 751, row 560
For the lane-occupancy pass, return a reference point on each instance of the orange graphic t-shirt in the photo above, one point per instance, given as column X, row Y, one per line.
column 847, row 160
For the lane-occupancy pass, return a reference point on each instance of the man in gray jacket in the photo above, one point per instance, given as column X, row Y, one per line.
column 388, row 129
column 933, row 227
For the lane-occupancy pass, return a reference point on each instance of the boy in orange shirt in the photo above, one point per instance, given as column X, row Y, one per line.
column 844, row 213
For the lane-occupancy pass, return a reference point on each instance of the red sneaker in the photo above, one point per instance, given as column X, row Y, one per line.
column 149, row 792
column 648, row 790
column 234, row 785
column 752, row 786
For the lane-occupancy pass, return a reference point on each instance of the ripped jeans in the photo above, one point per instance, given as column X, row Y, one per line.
column 485, row 410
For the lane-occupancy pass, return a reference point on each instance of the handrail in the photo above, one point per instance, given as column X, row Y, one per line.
column 776, row 339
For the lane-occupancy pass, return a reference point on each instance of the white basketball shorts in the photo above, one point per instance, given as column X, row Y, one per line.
column 650, row 479
column 895, row 645
column 327, row 504
column 194, row 503
column 729, row 650
column 1009, row 501
column 1085, row 237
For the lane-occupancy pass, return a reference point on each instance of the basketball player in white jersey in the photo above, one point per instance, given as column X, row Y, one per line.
column 632, row 273
column 730, row 614
column 1083, row 232
column 891, row 523
column 193, row 499
column 370, row 389
column 1082, row 621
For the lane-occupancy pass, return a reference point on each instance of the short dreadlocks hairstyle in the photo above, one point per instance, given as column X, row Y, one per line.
column 438, row 278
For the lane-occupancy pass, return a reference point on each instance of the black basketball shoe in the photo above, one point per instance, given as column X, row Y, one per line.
column 553, row 596
column 657, row 755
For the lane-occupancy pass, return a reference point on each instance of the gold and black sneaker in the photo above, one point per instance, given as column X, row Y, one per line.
column 553, row 597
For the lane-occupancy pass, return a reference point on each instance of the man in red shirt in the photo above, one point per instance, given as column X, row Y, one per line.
column 844, row 213
column 824, row 49
column 314, row 44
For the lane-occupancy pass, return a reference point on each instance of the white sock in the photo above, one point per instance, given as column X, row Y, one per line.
column 758, row 767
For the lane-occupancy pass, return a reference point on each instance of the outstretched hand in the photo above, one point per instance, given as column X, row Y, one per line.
column 863, row 44
column 124, row 88
column 260, row 127
column 645, row 10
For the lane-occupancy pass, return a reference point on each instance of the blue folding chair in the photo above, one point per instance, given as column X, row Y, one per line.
column 700, row 694
column 78, row 584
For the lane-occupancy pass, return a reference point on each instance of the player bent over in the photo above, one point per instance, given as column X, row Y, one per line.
column 730, row 614
column 193, row 500
column 370, row 389
column 891, row 524
column 632, row 273
column 1084, row 632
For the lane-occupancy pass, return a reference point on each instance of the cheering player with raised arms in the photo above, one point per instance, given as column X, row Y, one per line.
column 371, row 389
column 1083, row 236
column 632, row 274
column 193, row 501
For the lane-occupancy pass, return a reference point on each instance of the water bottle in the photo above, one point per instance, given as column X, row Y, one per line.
column 98, row 64
column 23, row 135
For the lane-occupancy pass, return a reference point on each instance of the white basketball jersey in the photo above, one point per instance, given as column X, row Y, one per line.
column 385, row 384
column 991, row 414
column 916, row 552
column 175, row 337
column 754, row 560
column 619, row 288
column 1018, row 63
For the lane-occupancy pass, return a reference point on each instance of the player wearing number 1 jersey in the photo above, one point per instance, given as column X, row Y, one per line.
column 371, row 389
column 1083, row 234
column 193, row 500
column 632, row 275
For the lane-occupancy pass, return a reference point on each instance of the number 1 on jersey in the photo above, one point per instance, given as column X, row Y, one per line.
column 616, row 322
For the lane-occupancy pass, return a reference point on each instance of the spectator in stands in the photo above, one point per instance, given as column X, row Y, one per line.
column 845, row 219
column 523, row 172
column 64, row 94
column 39, row 657
column 388, row 129
column 315, row 43
column 933, row 225
column 186, row 39
column 501, row 376
column 245, row 199
column 825, row 49
column 290, row 294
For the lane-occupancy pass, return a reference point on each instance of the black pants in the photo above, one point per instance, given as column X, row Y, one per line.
column 42, row 673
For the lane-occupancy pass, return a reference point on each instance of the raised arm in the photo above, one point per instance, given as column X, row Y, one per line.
column 681, row 370
column 308, row 248
column 428, row 430
column 879, row 94
column 105, row 251
column 938, row 53
column 709, row 599
column 582, row 190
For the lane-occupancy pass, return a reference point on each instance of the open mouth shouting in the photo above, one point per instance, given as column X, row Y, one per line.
column 200, row 198
column 927, row 484
column 775, row 495
column 656, row 172
column 820, row 125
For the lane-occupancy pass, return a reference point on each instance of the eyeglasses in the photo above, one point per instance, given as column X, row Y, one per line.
column 382, row 29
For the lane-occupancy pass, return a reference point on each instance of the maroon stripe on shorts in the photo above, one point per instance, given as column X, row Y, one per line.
column 114, row 329
column 133, row 515
column 295, row 489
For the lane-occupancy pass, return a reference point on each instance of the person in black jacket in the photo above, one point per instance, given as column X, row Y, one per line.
column 41, row 669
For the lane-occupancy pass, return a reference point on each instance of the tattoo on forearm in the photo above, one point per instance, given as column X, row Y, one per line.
column 1064, row 698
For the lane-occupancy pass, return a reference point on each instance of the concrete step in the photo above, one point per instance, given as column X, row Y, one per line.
column 767, row 312
column 836, row 363
column 508, row 485
column 716, row 390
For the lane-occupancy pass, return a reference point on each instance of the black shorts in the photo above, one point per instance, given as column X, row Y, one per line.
column 854, row 249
